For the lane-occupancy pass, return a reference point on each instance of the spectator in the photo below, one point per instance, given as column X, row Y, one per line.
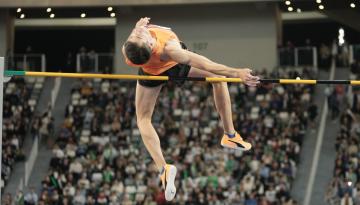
column 346, row 200
column 84, row 59
column 7, row 199
column 92, row 60
column 31, row 198
column 313, row 113
column 334, row 103
column 344, row 54
column 325, row 56
column 19, row 200
column 70, row 63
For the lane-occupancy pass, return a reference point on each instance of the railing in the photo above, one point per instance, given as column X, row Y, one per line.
column 92, row 62
column 298, row 56
column 29, row 164
column 55, row 92
column 28, row 61
column 354, row 53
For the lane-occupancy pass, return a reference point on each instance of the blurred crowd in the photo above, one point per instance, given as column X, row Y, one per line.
column 17, row 113
column 99, row 157
column 345, row 186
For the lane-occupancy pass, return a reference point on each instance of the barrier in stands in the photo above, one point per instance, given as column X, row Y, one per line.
column 298, row 56
column 93, row 61
column 28, row 61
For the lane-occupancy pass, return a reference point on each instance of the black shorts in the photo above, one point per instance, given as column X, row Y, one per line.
column 179, row 70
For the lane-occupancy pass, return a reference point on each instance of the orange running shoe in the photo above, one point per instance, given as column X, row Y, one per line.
column 236, row 142
column 168, row 181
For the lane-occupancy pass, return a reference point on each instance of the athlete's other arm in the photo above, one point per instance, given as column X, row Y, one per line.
column 174, row 51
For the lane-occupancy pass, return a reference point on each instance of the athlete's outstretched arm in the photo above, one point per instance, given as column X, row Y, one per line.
column 176, row 53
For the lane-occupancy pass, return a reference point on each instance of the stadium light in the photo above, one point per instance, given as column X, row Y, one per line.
column 298, row 10
column 18, row 10
column 83, row 15
column 288, row 2
column 290, row 8
column 48, row 10
column 22, row 16
column 321, row 7
column 52, row 16
column 110, row 8
column 318, row 1
column 341, row 36
column 112, row 14
column 352, row 5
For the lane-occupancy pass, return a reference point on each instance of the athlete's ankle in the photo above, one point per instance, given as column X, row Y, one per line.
column 162, row 169
column 231, row 134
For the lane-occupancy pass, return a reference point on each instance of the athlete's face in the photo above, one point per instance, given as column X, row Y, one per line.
column 141, row 35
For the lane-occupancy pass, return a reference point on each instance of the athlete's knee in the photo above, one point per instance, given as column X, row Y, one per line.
column 142, row 119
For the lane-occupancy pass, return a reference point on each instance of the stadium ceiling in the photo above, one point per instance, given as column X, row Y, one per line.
column 92, row 3
column 71, row 11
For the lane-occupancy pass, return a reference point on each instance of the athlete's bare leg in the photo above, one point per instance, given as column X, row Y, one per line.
column 145, row 100
column 221, row 97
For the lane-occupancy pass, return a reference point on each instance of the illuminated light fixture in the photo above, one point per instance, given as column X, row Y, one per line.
column 321, row 7
column 83, row 15
column 110, row 8
column 48, row 10
column 298, row 10
column 341, row 37
column 22, row 16
column 290, row 8
column 52, row 16
column 318, row 1
column 352, row 5
column 18, row 10
column 112, row 14
column 288, row 2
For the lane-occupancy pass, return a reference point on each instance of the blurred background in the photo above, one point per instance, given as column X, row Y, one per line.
column 75, row 141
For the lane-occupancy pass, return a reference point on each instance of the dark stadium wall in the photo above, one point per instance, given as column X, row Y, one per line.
column 6, row 32
column 318, row 32
column 57, row 43
column 235, row 34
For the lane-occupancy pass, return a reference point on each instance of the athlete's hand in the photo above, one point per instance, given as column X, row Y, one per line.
column 142, row 22
column 247, row 77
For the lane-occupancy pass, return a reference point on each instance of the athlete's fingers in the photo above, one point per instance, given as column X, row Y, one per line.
column 253, row 83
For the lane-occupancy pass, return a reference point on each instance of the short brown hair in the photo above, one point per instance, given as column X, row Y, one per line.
column 137, row 54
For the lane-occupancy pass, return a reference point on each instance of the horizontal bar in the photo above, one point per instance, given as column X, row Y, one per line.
column 11, row 73
column 333, row 81
column 270, row 80
column 14, row 73
column 294, row 81
column 95, row 75
column 355, row 82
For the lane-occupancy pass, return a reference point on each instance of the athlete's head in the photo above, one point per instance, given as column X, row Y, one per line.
column 138, row 46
